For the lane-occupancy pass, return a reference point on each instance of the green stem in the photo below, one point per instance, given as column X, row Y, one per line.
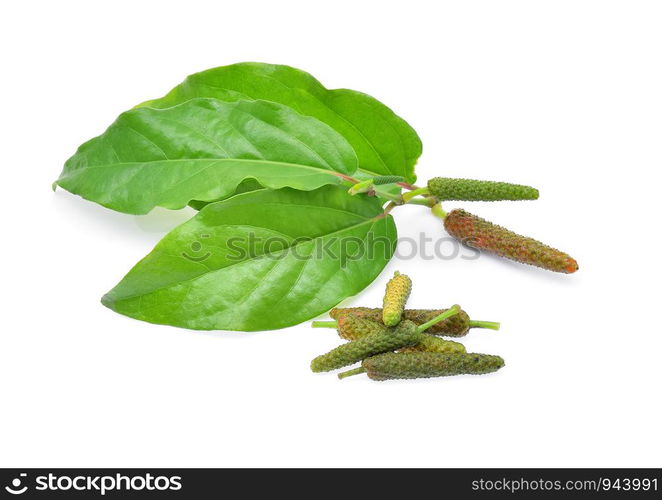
column 391, row 205
column 428, row 202
column 346, row 177
column 438, row 211
column 350, row 373
column 393, row 197
column 445, row 315
column 378, row 192
column 492, row 325
column 361, row 187
column 409, row 195
column 324, row 324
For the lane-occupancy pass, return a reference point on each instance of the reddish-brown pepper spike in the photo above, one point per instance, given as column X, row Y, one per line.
column 455, row 326
column 484, row 235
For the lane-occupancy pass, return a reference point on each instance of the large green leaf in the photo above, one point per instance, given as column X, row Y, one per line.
column 259, row 261
column 384, row 142
column 202, row 150
column 244, row 187
column 252, row 185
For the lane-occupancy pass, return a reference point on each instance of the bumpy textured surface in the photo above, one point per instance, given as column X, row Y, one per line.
column 380, row 180
column 429, row 364
column 352, row 352
column 428, row 343
column 372, row 313
column 444, row 188
column 483, row 235
column 455, row 326
column 353, row 327
column 395, row 298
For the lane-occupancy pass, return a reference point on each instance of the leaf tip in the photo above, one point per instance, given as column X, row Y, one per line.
column 108, row 301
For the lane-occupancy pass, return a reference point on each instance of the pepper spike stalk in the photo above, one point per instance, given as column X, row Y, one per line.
column 455, row 326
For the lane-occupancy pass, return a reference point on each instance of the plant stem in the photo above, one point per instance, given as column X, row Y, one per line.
column 438, row 211
column 406, row 185
column 346, row 177
column 388, row 196
column 388, row 208
column 428, row 202
column 445, row 315
column 324, row 324
column 393, row 197
column 361, row 187
column 379, row 192
column 408, row 196
column 349, row 373
column 492, row 325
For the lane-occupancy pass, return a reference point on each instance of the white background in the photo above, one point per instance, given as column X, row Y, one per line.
column 563, row 95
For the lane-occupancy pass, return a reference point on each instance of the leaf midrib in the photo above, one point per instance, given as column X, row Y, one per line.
column 215, row 160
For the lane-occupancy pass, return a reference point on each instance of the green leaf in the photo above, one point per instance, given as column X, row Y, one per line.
column 260, row 261
column 384, row 143
column 244, row 187
column 203, row 149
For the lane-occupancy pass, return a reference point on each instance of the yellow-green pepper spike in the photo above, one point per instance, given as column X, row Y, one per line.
column 395, row 298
